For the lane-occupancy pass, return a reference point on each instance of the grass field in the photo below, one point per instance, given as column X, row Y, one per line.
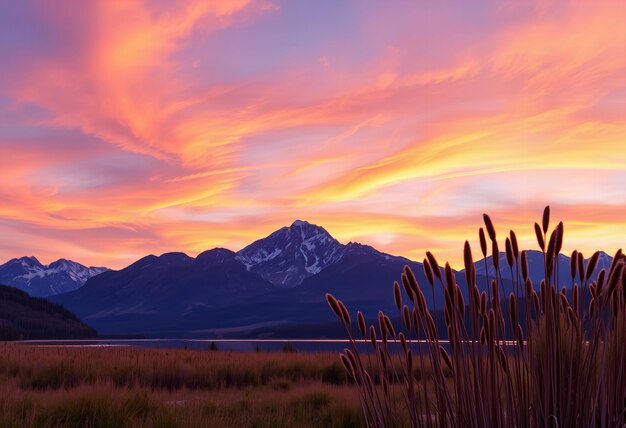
column 136, row 387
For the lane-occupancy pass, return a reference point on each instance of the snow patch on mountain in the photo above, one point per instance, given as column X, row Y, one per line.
column 37, row 279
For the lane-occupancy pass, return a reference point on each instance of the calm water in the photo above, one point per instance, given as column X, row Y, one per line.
column 251, row 345
column 273, row 345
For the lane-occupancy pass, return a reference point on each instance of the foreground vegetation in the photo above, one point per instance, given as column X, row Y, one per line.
column 135, row 387
column 519, row 355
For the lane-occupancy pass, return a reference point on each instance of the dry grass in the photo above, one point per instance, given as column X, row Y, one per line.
column 536, row 358
column 134, row 387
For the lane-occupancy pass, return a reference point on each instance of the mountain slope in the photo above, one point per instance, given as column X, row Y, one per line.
column 291, row 254
column 26, row 317
column 167, row 293
column 29, row 275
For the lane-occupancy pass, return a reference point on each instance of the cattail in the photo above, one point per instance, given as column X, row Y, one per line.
column 415, row 319
column 573, row 264
column 334, row 305
column 545, row 221
column 540, row 239
column 490, row 229
column 529, row 288
column 445, row 357
column 397, row 295
column 433, row 264
column 614, row 279
column 407, row 287
column 575, row 297
column 513, row 309
column 482, row 337
column 616, row 258
column 524, row 266
column 495, row 255
column 536, row 302
column 412, row 280
column 514, row 244
column 389, row 325
column 592, row 307
column 601, row 278
column 581, row 266
column 467, row 257
column 347, row 366
column 483, row 303
column 381, row 325
column 344, row 312
column 591, row 265
column 593, row 290
column 483, row 241
column 509, row 252
column 559, row 238
column 428, row 271
column 361, row 322
column 407, row 318
column 403, row 341
column 373, row 336
column 450, row 280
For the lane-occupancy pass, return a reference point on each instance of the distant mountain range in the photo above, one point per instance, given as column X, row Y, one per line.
column 273, row 287
column 29, row 275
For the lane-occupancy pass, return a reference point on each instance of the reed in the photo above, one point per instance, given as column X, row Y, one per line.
column 557, row 360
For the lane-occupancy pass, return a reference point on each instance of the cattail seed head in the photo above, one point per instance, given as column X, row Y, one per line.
column 514, row 244
column 334, row 305
column 508, row 247
column 520, row 337
column 529, row 287
column 373, row 336
column 513, row 309
column 581, row 267
column 495, row 255
column 560, row 231
column 428, row 271
column 591, row 265
column 524, row 266
column 573, row 264
column 540, row 239
column 490, row 229
column 361, row 322
column 545, row 221
column 407, row 318
column 433, row 264
column 397, row 295
column 467, row 256
column 347, row 366
column 483, row 241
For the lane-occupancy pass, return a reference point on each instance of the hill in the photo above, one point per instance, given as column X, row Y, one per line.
column 23, row 317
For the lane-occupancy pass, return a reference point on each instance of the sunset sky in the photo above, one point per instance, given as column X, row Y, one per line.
column 137, row 127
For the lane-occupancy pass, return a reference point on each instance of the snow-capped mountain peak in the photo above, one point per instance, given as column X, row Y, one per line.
column 291, row 254
column 37, row 279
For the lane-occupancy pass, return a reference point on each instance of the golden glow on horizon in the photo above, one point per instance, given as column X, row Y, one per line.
column 129, row 128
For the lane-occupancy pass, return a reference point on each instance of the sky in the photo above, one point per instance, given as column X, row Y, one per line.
column 130, row 128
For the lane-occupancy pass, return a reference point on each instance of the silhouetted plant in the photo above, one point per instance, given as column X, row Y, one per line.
column 538, row 357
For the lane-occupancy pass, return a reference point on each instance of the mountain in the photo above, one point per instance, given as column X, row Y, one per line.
column 276, row 281
column 536, row 269
column 172, row 292
column 291, row 254
column 25, row 317
column 29, row 275
column 275, row 286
